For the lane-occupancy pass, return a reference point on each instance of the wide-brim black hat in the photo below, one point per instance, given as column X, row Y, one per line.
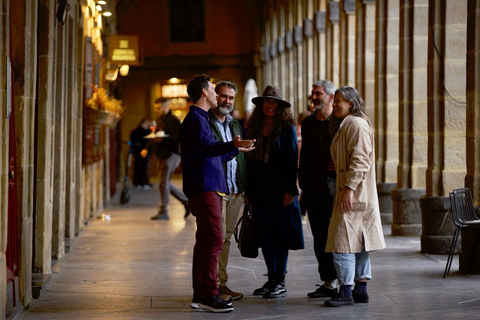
column 271, row 92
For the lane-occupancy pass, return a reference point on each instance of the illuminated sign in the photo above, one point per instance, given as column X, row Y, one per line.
column 124, row 50
column 173, row 91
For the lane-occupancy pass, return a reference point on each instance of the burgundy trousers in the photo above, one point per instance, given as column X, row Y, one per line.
column 207, row 208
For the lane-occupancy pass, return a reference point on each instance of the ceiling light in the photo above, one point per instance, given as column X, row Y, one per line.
column 174, row 80
column 99, row 8
column 107, row 13
column 102, row 2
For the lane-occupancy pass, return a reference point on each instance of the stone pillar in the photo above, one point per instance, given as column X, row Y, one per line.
column 347, row 43
column 333, row 41
column 412, row 121
column 298, row 61
column 290, row 72
column 386, row 103
column 320, row 45
column 58, row 240
column 365, row 54
column 308, row 67
column 446, row 121
column 43, row 180
column 78, row 123
column 470, row 254
column 70, row 130
column 4, row 133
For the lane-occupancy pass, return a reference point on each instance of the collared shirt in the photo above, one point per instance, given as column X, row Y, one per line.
column 202, row 155
column 226, row 133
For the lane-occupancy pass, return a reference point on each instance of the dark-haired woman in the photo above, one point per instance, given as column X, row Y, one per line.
column 272, row 186
column 355, row 227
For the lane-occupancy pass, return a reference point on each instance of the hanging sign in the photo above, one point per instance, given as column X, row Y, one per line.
column 124, row 50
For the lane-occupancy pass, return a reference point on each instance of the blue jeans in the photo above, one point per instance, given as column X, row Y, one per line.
column 352, row 266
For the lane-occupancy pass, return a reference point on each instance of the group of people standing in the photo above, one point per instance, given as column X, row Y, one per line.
column 222, row 170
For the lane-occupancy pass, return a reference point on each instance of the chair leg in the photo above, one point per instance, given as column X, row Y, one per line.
column 450, row 254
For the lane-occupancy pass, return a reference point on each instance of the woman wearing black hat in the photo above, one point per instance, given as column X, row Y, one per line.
column 272, row 186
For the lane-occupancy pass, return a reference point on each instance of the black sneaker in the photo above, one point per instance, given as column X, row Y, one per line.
column 339, row 301
column 360, row 298
column 322, row 292
column 215, row 304
column 160, row 216
column 266, row 286
column 187, row 210
column 195, row 300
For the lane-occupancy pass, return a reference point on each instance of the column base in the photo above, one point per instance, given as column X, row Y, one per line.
column 384, row 191
column 437, row 225
column 407, row 215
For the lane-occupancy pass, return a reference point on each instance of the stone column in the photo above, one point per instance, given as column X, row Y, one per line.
column 470, row 254
column 290, row 72
column 308, row 67
column 58, row 241
column 446, row 121
column 4, row 132
column 43, row 196
column 320, row 45
column 78, row 123
column 386, row 102
column 70, row 130
column 365, row 44
column 333, row 40
column 412, row 118
column 347, row 43
column 24, row 63
column 298, row 60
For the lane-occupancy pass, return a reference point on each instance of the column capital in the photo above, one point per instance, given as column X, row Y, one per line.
column 308, row 27
column 281, row 45
column 273, row 48
column 320, row 21
column 288, row 40
column 349, row 6
column 264, row 55
column 334, row 14
column 297, row 35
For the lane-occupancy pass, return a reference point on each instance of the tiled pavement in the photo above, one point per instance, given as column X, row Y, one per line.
column 130, row 267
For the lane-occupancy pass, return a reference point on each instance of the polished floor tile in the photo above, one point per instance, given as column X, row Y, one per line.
column 131, row 267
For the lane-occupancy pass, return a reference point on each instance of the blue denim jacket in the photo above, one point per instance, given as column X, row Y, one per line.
column 202, row 155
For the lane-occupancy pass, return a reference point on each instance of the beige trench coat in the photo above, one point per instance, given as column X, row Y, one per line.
column 353, row 153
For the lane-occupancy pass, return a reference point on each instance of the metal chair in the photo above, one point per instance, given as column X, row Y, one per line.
column 464, row 217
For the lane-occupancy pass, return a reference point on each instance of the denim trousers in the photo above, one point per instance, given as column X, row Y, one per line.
column 352, row 266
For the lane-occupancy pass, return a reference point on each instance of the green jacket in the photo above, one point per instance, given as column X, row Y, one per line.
column 236, row 129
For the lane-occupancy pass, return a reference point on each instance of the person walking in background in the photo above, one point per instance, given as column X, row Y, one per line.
column 316, row 177
column 355, row 228
column 225, row 128
column 140, row 164
column 272, row 186
column 166, row 149
column 204, row 184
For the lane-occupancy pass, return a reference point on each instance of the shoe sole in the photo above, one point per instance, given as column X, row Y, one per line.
column 330, row 304
column 208, row 308
column 194, row 305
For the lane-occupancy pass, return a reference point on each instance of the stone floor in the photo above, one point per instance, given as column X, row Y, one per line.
column 126, row 266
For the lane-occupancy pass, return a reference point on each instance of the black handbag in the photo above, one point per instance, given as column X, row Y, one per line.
column 247, row 236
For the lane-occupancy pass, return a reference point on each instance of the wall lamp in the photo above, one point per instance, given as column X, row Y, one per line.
column 63, row 8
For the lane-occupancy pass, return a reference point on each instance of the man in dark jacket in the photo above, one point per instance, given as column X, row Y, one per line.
column 166, row 148
column 226, row 128
column 316, row 176
column 204, row 184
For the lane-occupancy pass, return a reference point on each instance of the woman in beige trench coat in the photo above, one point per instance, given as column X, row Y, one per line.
column 355, row 227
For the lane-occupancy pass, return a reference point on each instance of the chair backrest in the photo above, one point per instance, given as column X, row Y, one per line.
column 454, row 210
column 464, row 205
